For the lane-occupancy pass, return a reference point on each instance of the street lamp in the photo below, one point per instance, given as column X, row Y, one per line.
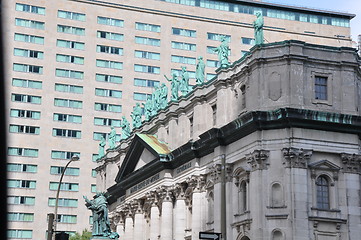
column 53, row 218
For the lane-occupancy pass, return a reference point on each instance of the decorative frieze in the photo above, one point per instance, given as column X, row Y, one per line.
column 258, row 159
column 296, row 157
column 351, row 163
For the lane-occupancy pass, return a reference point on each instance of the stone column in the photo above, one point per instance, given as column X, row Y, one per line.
column 166, row 196
column 120, row 224
column 138, row 219
column 179, row 212
column 152, row 198
column 197, row 184
column 129, row 229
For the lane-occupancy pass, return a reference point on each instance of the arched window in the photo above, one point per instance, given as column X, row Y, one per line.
column 276, row 195
column 245, row 238
column 277, row 235
column 323, row 193
column 242, row 197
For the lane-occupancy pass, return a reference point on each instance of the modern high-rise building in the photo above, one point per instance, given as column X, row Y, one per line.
column 75, row 67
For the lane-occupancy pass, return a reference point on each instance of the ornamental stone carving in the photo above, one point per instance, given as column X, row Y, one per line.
column 197, row 183
column 296, row 157
column 351, row 163
column 179, row 190
column 258, row 160
column 165, row 193
column 215, row 172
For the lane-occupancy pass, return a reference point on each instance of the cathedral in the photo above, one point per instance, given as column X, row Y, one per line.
column 267, row 149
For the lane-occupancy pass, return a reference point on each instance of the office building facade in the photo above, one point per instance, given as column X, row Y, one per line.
column 74, row 68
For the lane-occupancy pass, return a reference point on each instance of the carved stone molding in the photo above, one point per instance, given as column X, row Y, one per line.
column 137, row 205
column 179, row 191
column 296, row 157
column 165, row 193
column 351, row 163
column 258, row 159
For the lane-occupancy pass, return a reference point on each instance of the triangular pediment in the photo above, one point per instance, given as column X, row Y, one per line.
column 144, row 149
column 324, row 165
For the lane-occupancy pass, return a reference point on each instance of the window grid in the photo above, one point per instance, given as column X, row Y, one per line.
column 14, row 183
column 20, row 217
column 147, row 27
column 71, row 30
column 58, row 102
column 21, row 200
column 28, row 53
column 63, row 202
column 68, row 88
column 70, row 171
column 27, row 83
column 64, row 155
column 20, row 233
column 110, row 21
column 108, row 107
column 19, row 167
column 184, row 46
column 71, row 15
column 108, row 93
column 25, row 98
column 321, row 88
column 109, row 64
column 58, row 132
column 110, row 35
column 24, row 129
column 24, row 113
column 145, row 82
column 24, row 152
column 147, row 55
column 29, row 38
column 108, row 78
column 322, row 188
column 18, row 67
column 29, row 8
column 70, row 44
column 146, row 69
column 29, row 23
column 110, row 50
column 147, row 41
column 61, row 117
column 107, row 122
column 65, row 186
column 184, row 32
column 69, row 59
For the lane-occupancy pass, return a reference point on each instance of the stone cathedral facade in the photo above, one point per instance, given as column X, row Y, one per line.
column 270, row 148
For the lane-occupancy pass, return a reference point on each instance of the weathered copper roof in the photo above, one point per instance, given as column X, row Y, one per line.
column 158, row 146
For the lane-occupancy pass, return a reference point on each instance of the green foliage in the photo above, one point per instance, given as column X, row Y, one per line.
column 86, row 235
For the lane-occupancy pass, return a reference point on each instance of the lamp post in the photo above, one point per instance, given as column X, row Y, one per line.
column 53, row 219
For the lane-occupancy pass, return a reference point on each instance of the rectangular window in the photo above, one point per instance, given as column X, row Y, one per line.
column 70, row 171
column 70, row 44
column 98, row 135
column 69, row 59
column 71, row 15
column 68, row 103
column 320, row 88
column 109, row 64
column 14, row 183
column 184, row 46
column 64, row 155
column 71, row 30
column 145, row 83
column 68, row 88
column 146, row 69
column 28, row 53
column 26, row 83
column 69, row 73
column 108, row 93
column 63, row 202
column 27, row 68
column 218, row 37
column 29, row 23
column 24, row 113
column 106, row 122
column 147, row 41
column 65, row 186
column 248, row 41
column 24, row 129
column 23, row 152
column 25, row 98
column 58, row 132
column 21, row 200
column 110, row 35
column 110, row 21
column 20, row 217
column 62, row 218
column 108, row 107
column 212, row 63
column 29, row 8
column 61, row 117
column 93, row 188
column 182, row 59
column 28, row 38
column 147, row 27
column 20, row 233
column 19, row 167
column 110, row 50
column 184, row 32
column 147, row 55
column 108, row 78
column 140, row 96
column 94, row 173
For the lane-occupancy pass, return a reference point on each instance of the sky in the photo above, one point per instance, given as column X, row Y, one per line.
column 347, row 6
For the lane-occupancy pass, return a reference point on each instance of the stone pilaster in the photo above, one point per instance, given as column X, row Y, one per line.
column 258, row 159
column 296, row 157
column 137, row 209
column 153, row 202
column 179, row 211
column 129, row 223
column 119, row 222
column 351, row 163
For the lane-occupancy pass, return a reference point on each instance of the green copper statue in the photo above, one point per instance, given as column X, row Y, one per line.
column 156, row 97
column 148, row 108
column 163, row 98
column 200, row 71
column 125, row 128
column 111, row 138
column 258, row 28
column 102, row 143
column 174, row 86
column 101, row 223
column 184, row 83
column 137, row 116
column 223, row 52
